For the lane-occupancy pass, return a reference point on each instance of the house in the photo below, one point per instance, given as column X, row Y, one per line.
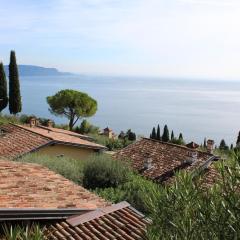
column 18, row 140
column 159, row 160
column 109, row 133
column 31, row 193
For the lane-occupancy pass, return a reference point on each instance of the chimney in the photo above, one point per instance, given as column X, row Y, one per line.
column 49, row 123
column 210, row 146
column 192, row 157
column 147, row 162
column 33, row 122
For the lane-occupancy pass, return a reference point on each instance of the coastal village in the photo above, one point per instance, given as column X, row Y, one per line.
column 74, row 185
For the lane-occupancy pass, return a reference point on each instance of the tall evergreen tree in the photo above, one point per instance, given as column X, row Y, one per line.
column 158, row 133
column 172, row 136
column 238, row 140
column 205, row 143
column 154, row 135
column 165, row 136
column 231, row 147
column 223, row 145
column 15, row 103
column 180, row 137
column 3, row 88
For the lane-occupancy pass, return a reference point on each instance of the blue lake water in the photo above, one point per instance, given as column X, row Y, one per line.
column 196, row 108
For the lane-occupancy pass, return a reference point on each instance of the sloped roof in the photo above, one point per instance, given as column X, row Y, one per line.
column 166, row 158
column 17, row 140
column 31, row 186
column 119, row 221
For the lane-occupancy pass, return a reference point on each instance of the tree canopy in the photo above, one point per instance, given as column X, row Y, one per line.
column 72, row 104
column 3, row 88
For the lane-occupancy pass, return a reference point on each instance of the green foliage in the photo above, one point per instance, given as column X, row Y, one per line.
column 187, row 211
column 223, row 145
column 18, row 232
column 154, row 135
column 4, row 119
column 72, row 104
column 104, row 172
column 15, row 102
column 86, row 128
column 238, row 139
column 69, row 168
column 111, row 144
column 172, row 136
column 3, row 88
column 134, row 191
column 158, row 133
column 165, row 136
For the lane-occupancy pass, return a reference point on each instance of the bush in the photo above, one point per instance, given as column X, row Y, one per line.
column 69, row 168
column 134, row 191
column 187, row 211
column 103, row 172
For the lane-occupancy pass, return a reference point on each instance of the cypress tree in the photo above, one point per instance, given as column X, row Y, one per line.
column 238, row 140
column 3, row 88
column 231, row 147
column 165, row 136
column 154, row 135
column 180, row 137
column 15, row 103
column 172, row 135
column 158, row 133
column 205, row 143
column 223, row 145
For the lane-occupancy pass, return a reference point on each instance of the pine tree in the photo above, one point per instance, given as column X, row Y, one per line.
column 3, row 88
column 154, row 135
column 180, row 137
column 165, row 136
column 172, row 136
column 15, row 103
column 231, row 147
column 158, row 133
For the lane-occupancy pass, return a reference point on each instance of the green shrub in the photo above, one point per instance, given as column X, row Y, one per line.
column 185, row 210
column 134, row 191
column 69, row 168
column 102, row 172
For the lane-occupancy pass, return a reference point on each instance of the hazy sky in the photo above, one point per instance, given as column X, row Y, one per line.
column 185, row 38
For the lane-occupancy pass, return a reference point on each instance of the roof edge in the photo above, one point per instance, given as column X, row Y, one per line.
column 74, row 221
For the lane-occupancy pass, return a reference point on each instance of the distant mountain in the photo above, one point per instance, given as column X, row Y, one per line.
column 31, row 70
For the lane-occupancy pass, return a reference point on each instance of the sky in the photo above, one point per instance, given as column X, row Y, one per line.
column 173, row 38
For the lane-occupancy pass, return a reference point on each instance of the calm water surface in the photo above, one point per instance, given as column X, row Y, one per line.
column 196, row 108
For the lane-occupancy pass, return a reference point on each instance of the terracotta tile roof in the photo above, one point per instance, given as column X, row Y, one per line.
column 25, row 185
column 62, row 136
column 15, row 141
column 166, row 158
column 119, row 221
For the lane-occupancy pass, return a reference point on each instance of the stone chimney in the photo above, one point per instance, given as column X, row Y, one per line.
column 210, row 146
column 49, row 123
column 147, row 162
column 192, row 157
column 33, row 122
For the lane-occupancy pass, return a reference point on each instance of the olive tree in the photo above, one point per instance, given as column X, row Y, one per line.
column 72, row 104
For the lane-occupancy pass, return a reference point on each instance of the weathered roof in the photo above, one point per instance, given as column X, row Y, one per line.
column 166, row 158
column 31, row 186
column 17, row 140
column 119, row 221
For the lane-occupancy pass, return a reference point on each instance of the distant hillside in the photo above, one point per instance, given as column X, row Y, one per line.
column 30, row 70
